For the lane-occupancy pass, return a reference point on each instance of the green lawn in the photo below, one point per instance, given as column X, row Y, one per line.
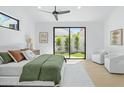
column 73, row 55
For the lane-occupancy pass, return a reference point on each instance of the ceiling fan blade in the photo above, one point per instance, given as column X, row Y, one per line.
column 45, row 11
column 63, row 12
column 56, row 17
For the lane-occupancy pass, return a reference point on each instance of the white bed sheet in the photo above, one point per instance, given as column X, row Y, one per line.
column 12, row 69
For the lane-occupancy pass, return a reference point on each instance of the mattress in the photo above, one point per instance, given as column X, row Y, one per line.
column 14, row 81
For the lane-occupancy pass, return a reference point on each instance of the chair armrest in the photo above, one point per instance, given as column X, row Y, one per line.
column 117, row 58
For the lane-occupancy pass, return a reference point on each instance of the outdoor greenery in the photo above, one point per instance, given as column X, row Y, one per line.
column 62, row 44
column 79, row 54
column 66, row 44
column 73, row 55
column 76, row 43
column 58, row 41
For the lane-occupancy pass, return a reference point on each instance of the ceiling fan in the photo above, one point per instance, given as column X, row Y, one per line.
column 56, row 13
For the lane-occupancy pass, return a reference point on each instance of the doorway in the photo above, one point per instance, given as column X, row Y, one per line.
column 70, row 42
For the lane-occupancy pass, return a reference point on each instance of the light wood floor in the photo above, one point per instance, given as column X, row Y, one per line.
column 101, row 77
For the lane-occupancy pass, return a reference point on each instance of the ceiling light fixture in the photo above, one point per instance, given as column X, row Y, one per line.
column 39, row 7
column 79, row 7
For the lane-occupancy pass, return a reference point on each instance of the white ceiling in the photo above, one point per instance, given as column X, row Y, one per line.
column 86, row 13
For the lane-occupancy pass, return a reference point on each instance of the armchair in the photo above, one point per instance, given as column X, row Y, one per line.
column 114, row 64
column 98, row 57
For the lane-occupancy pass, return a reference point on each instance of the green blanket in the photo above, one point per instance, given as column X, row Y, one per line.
column 44, row 68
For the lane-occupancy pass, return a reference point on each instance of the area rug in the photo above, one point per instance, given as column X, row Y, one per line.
column 76, row 76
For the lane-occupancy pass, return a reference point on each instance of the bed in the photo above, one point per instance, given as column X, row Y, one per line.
column 14, row 74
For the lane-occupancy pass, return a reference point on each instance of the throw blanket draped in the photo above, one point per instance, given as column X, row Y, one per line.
column 44, row 68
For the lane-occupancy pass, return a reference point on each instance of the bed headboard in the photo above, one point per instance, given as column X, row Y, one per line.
column 5, row 48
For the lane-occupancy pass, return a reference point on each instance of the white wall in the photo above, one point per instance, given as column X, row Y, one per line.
column 27, row 27
column 115, row 21
column 94, row 35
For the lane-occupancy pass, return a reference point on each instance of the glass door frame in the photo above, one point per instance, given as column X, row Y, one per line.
column 69, row 40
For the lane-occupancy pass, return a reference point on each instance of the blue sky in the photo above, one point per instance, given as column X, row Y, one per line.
column 65, row 31
column 3, row 18
column 75, row 29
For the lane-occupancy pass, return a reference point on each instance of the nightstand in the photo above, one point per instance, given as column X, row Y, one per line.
column 36, row 51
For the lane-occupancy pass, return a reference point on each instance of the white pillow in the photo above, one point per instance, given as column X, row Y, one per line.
column 28, row 54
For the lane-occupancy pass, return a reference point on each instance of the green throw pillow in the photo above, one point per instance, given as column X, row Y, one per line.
column 6, row 57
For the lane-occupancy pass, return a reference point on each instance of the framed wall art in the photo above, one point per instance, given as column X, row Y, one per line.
column 116, row 37
column 43, row 37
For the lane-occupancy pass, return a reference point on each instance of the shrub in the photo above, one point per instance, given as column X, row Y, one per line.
column 58, row 41
column 76, row 42
column 66, row 44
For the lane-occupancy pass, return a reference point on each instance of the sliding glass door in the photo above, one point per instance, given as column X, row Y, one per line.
column 77, row 43
column 61, row 39
column 70, row 42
